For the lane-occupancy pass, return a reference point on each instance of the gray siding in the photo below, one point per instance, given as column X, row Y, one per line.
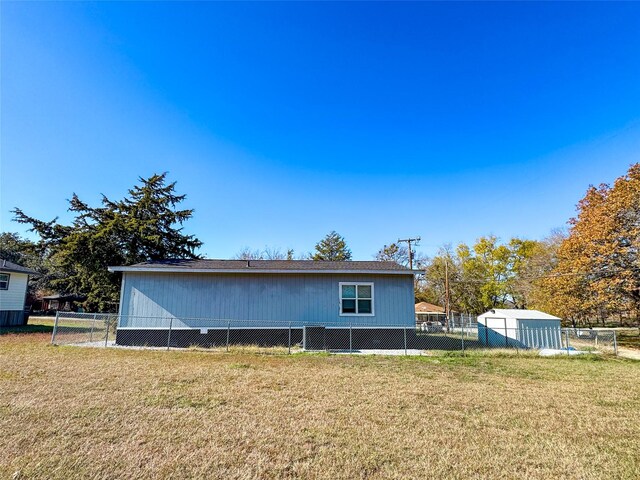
column 198, row 300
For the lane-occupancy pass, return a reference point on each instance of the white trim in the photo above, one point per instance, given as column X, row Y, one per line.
column 124, row 277
column 24, row 298
column 9, row 281
column 373, row 310
column 262, row 270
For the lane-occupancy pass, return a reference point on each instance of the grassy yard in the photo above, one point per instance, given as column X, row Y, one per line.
column 45, row 325
column 71, row 412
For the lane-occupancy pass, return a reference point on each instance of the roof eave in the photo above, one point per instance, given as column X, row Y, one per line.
column 31, row 273
column 261, row 270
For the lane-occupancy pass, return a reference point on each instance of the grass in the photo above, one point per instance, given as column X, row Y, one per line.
column 45, row 325
column 29, row 328
column 72, row 412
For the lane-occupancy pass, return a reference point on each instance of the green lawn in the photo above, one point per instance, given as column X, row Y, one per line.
column 45, row 325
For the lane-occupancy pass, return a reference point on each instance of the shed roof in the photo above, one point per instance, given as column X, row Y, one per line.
column 518, row 314
column 265, row 266
column 7, row 266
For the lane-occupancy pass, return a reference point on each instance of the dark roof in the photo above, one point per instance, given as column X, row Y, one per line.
column 7, row 266
column 426, row 307
column 266, row 266
column 65, row 297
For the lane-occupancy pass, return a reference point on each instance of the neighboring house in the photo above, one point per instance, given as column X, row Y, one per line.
column 14, row 279
column 429, row 313
column 62, row 303
column 263, row 301
column 519, row 328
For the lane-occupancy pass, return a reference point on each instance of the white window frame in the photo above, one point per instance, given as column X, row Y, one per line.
column 373, row 303
column 8, row 280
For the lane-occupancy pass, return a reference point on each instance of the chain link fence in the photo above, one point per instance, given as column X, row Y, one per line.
column 591, row 340
column 84, row 328
column 460, row 333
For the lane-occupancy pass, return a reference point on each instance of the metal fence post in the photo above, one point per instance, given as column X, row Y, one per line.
column 106, row 336
column 506, row 335
column 462, row 337
column 615, row 344
column 55, row 329
column 486, row 334
column 228, row 332
column 289, row 338
column 566, row 336
column 93, row 324
column 169, row 334
column 350, row 339
column 405, row 340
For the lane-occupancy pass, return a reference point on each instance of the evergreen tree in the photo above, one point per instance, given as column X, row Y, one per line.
column 146, row 225
column 23, row 251
column 333, row 247
column 16, row 249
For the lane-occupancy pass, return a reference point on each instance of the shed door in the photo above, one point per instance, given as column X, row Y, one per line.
column 496, row 332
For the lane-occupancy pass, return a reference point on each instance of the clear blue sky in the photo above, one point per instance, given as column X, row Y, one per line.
column 283, row 121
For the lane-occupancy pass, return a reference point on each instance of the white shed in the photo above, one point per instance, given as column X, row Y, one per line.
column 519, row 328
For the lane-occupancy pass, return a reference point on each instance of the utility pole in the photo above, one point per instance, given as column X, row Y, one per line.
column 408, row 241
column 447, row 306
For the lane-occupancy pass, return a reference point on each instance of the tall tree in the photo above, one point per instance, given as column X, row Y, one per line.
column 393, row 253
column 146, row 225
column 333, row 247
column 527, row 286
column 247, row 254
column 269, row 253
column 598, row 266
column 16, row 249
column 23, row 251
column 486, row 275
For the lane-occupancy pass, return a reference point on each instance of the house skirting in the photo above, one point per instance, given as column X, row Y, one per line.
column 13, row 318
column 333, row 339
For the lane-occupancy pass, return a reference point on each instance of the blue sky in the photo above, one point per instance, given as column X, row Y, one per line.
column 283, row 121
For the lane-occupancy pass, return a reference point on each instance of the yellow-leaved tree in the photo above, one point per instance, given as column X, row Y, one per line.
column 597, row 271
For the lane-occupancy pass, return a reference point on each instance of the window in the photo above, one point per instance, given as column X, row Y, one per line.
column 356, row 298
column 4, row 281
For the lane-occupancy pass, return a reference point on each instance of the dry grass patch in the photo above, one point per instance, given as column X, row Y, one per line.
column 68, row 412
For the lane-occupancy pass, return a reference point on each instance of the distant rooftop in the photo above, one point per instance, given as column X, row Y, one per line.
column 266, row 266
column 426, row 307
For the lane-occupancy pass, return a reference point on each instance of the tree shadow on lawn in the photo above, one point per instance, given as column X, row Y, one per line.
column 26, row 329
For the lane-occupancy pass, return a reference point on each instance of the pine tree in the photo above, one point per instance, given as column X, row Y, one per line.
column 333, row 247
column 16, row 249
